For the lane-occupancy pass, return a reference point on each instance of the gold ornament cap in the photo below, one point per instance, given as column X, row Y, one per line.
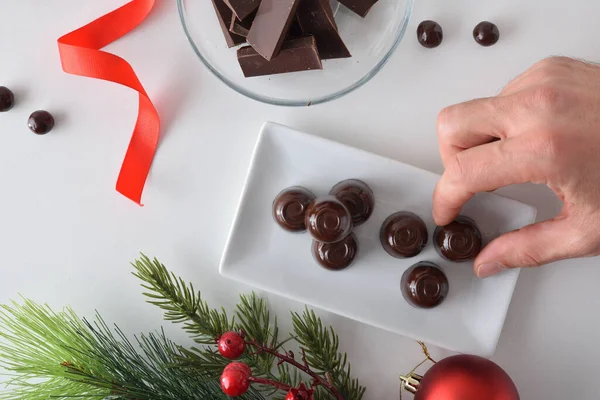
column 410, row 382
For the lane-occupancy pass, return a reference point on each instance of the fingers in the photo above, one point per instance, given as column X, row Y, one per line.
column 531, row 246
column 484, row 168
column 473, row 123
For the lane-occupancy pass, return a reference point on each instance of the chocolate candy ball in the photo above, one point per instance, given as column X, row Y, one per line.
column 486, row 33
column 358, row 198
column 403, row 235
column 41, row 122
column 328, row 220
column 459, row 241
column 7, row 99
column 336, row 256
column 430, row 34
column 289, row 208
column 424, row 285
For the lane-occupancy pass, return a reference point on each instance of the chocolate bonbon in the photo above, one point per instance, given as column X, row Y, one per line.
column 486, row 33
column 316, row 18
column 7, row 99
column 430, row 34
column 296, row 55
column 336, row 256
column 271, row 25
column 289, row 208
column 403, row 234
column 458, row 241
column 424, row 285
column 328, row 220
column 357, row 196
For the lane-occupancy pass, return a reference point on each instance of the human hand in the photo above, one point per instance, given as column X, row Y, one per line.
column 544, row 127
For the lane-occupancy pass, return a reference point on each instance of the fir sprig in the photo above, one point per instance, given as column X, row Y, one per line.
column 322, row 353
column 59, row 355
column 181, row 302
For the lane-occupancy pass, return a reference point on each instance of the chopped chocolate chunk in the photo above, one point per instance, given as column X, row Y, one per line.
column 295, row 30
column 242, row 8
column 317, row 21
column 241, row 27
column 361, row 7
column 225, row 16
column 329, row 11
column 296, row 55
column 271, row 25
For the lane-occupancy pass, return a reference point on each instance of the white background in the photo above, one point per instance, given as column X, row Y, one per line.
column 67, row 237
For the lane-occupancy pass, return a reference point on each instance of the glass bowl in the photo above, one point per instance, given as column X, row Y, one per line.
column 371, row 40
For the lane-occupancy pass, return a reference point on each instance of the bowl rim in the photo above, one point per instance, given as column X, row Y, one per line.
column 308, row 102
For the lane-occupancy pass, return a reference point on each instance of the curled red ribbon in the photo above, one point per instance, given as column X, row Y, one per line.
column 80, row 54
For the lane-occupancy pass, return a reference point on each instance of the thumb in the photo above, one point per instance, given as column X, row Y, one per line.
column 531, row 246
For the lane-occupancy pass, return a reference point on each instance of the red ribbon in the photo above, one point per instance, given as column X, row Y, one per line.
column 80, row 55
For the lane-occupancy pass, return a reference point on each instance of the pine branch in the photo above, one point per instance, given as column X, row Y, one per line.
column 58, row 355
column 181, row 303
column 254, row 319
column 322, row 353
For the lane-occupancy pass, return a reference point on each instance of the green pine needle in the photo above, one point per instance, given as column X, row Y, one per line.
column 57, row 355
column 181, row 302
column 322, row 353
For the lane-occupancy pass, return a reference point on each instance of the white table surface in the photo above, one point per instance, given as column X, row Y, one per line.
column 67, row 237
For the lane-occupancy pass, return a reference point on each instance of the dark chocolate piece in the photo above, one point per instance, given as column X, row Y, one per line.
column 403, row 235
column 242, row 27
column 225, row 16
column 7, row 99
column 459, row 241
column 329, row 11
column 357, row 196
column 328, row 220
column 424, row 285
column 430, row 34
column 271, row 25
column 317, row 21
column 296, row 55
column 40, row 122
column 336, row 256
column 361, row 7
column 486, row 33
column 242, row 8
column 295, row 30
column 289, row 208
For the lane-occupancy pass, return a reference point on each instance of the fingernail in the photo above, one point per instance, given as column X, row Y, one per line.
column 488, row 269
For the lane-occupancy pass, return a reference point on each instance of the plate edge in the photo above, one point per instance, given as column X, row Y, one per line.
column 263, row 132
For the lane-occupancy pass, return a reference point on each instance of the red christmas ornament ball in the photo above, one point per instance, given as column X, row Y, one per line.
column 466, row 377
column 234, row 379
column 231, row 345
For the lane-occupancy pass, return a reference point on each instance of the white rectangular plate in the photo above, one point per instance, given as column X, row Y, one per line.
column 261, row 254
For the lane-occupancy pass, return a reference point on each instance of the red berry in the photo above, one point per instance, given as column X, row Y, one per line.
column 234, row 380
column 300, row 393
column 231, row 345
